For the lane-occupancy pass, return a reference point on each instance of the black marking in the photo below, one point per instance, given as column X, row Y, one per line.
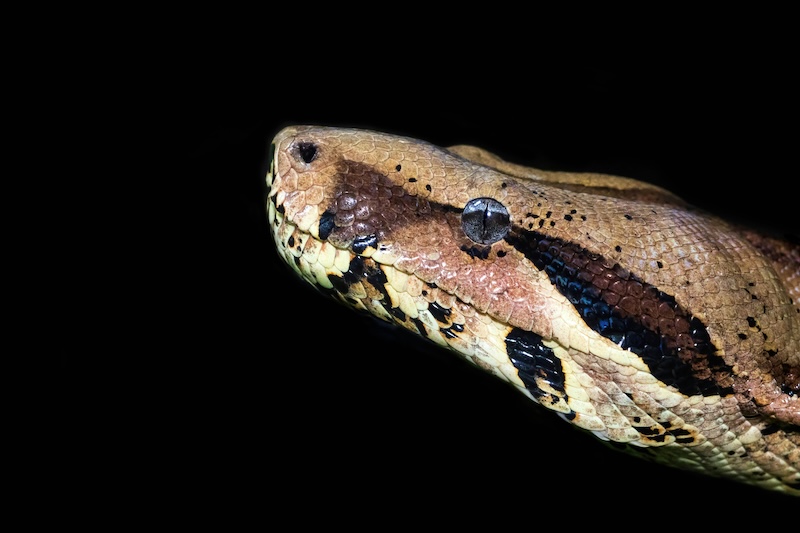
column 339, row 283
column 629, row 217
column 362, row 243
column 568, row 217
column 290, row 241
column 423, row 330
column 326, row 224
column 649, row 431
column 770, row 429
column 355, row 272
column 428, row 187
column 633, row 314
column 476, row 252
column 439, row 313
column 412, row 180
column 533, row 360
column 448, row 333
column 376, row 277
column 682, row 436
column 398, row 167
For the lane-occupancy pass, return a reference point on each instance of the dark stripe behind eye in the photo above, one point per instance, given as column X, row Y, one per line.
column 631, row 313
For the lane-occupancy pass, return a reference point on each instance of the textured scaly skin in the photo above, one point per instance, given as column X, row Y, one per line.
column 610, row 301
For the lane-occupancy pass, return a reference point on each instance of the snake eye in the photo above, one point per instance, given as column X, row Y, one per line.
column 485, row 220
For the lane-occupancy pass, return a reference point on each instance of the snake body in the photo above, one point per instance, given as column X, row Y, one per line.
column 611, row 302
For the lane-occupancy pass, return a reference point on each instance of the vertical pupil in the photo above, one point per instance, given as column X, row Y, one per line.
column 485, row 220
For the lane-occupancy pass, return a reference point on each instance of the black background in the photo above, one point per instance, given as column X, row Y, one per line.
column 265, row 386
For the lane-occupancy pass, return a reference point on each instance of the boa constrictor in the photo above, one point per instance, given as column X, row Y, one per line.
column 609, row 301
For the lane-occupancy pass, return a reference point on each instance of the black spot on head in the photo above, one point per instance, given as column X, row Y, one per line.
column 412, row 180
column 476, row 252
column 629, row 217
column 567, row 217
column 618, row 248
column 362, row 243
column 326, row 224
column 504, row 185
column 660, row 264
column 398, row 167
column 428, row 187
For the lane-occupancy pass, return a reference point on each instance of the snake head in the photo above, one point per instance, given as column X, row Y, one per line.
column 409, row 209
column 614, row 304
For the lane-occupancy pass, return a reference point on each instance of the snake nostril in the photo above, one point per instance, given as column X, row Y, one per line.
column 305, row 151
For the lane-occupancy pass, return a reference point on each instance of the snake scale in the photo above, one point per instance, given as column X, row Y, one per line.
column 613, row 303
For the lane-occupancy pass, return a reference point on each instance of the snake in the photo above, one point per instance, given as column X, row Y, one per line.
column 662, row 329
